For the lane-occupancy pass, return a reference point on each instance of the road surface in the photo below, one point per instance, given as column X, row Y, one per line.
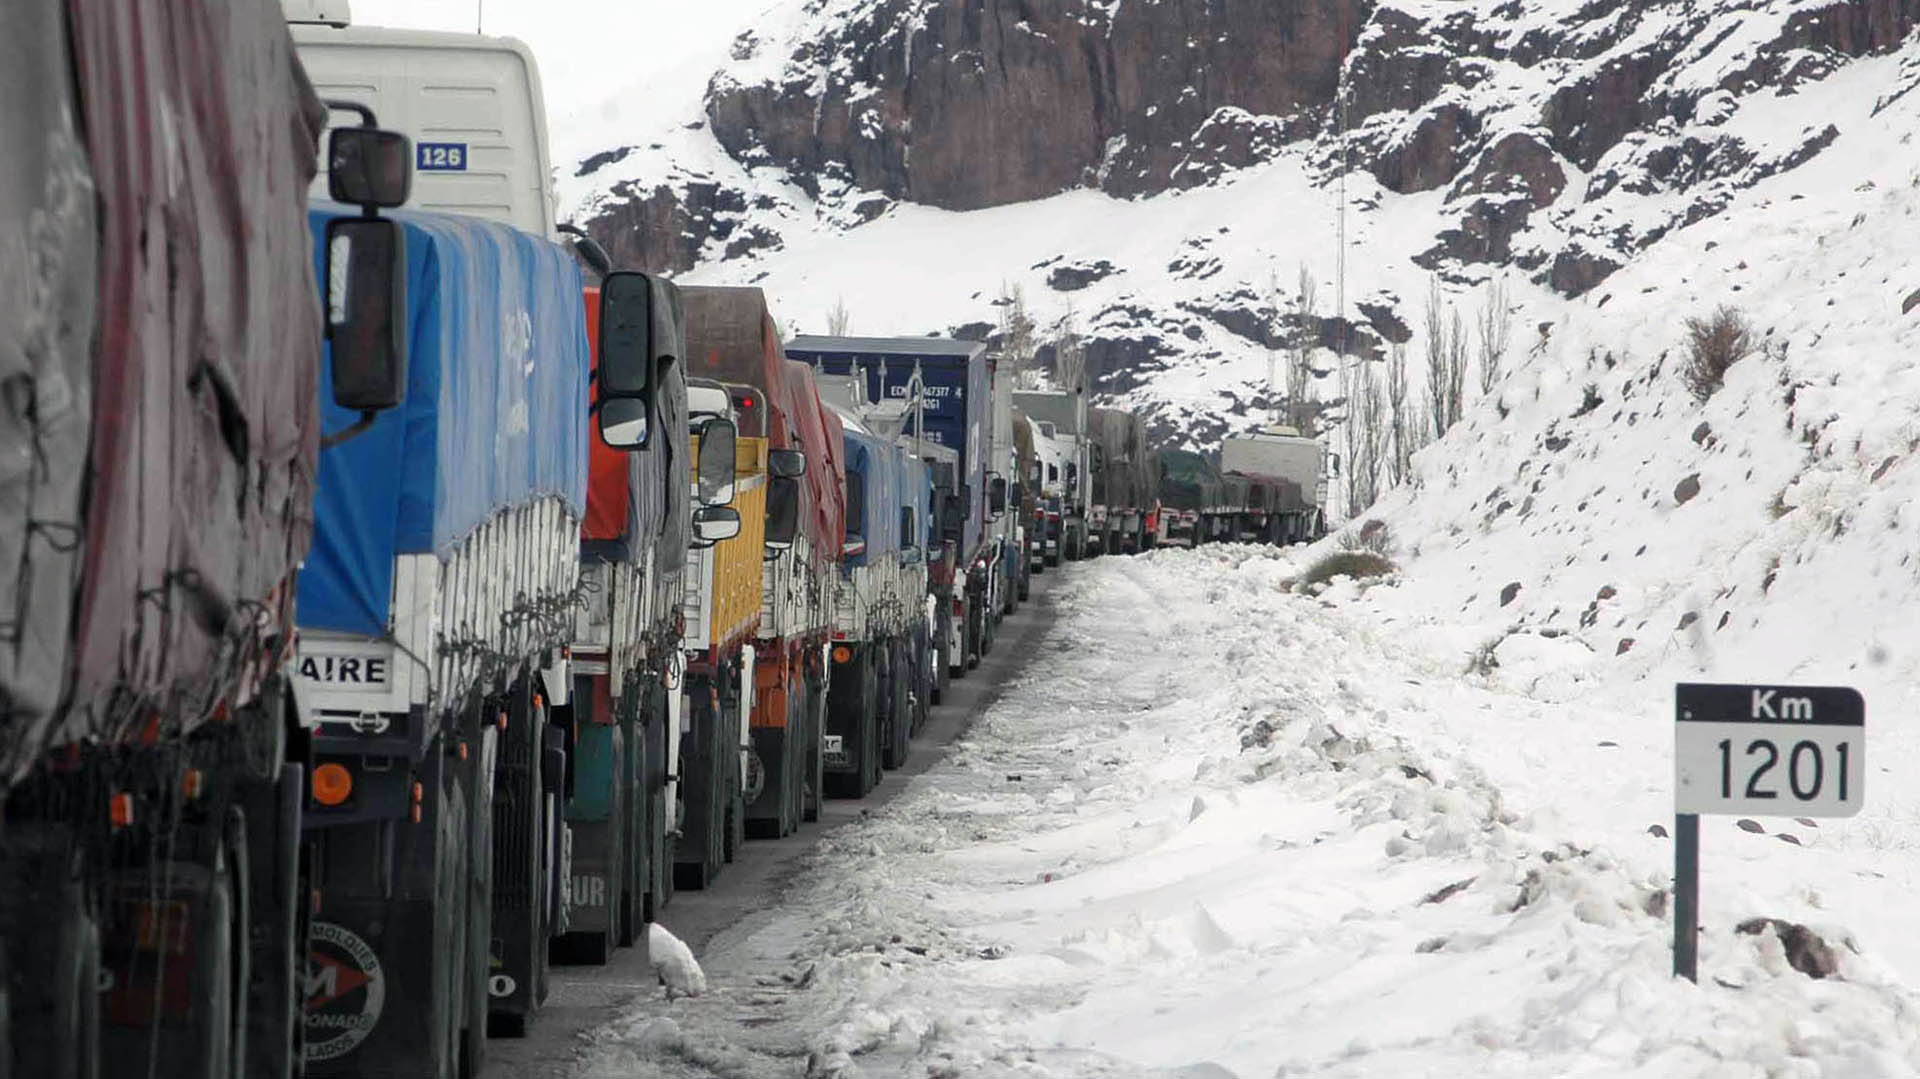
column 584, row 999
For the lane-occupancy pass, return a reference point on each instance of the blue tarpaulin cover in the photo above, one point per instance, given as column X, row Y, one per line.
column 495, row 413
column 916, row 490
column 875, row 464
column 957, row 402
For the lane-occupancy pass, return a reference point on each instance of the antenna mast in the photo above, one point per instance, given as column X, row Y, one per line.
column 1340, row 257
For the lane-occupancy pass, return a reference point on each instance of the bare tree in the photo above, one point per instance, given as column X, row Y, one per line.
column 1300, row 347
column 1400, row 419
column 1495, row 327
column 1016, row 334
column 1070, row 354
column 1435, row 339
column 1446, row 341
column 1366, row 436
column 837, row 318
column 1456, row 368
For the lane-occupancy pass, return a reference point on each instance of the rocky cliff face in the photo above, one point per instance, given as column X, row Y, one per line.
column 969, row 103
column 1536, row 119
column 1548, row 140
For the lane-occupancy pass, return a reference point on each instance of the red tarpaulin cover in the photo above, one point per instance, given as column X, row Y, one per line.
column 608, row 505
column 202, row 134
column 731, row 336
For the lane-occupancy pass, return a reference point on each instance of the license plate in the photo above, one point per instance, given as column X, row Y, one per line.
column 831, row 747
column 347, row 670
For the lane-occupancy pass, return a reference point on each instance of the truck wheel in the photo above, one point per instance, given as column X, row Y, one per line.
column 519, row 850
column 479, row 944
column 976, row 633
column 68, row 1046
column 240, row 940
column 899, row 718
column 814, row 792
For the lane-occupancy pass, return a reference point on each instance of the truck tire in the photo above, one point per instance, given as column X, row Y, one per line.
column 976, row 631
column 814, row 791
column 53, row 977
column 479, row 942
column 699, row 849
column 922, row 686
column 239, row 941
column 898, row 728
column 519, row 849
column 278, row 962
column 947, row 669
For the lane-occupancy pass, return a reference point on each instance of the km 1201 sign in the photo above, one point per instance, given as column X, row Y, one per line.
column 1784, row 751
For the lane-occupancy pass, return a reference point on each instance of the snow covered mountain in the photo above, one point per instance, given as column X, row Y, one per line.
column 1618, row 167
column 1160, row 166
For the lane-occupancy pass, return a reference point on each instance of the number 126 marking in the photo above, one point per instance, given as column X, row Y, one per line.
column 1806, row 769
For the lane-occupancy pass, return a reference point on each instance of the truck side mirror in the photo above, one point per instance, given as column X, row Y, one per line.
column 367, row 311
column 716, row 462
column 711, row 524
column 907, row 538
column 625, row 363
column 783, row 512
column 953, row 516
column 623, row 423
column 786, row 463
column 996, row 495
column 369, row 167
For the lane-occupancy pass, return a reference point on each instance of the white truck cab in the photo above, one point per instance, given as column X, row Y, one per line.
column 472, row 105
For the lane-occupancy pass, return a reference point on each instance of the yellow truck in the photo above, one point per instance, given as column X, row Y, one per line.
column 721, row 606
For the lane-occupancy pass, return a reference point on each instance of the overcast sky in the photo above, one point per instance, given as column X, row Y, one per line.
column 589, row 50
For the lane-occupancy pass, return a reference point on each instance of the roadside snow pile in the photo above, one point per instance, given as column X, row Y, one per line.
column 1219, row 829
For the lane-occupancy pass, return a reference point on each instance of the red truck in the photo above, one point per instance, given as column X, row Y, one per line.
column 160, row 358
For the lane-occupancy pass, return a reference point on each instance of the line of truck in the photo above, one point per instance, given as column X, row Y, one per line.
column 405, row 598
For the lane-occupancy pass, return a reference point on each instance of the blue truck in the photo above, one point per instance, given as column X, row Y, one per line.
column 945, row 385
column 434, row 610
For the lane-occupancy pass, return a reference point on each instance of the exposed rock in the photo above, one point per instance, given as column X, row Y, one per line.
column 1508, row 593
column 1387, row 323
column 1576, row 270
column 970, row 103
column 1912, row 301
column 1806, row 951
column 1074, row 276
column 665, row 229
column 1685, row 490
column 1428, row 155
column 1232, row 138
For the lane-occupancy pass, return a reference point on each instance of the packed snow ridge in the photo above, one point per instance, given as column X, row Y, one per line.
column 1286, row 835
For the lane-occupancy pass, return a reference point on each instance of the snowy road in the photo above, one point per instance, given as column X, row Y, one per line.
column 1215, row 829
column 585, row 999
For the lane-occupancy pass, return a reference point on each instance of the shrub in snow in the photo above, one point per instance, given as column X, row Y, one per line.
column 1372, row 536
column 1714, row 344
column 1359, row 565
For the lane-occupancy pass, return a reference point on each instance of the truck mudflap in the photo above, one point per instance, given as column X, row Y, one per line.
column 524, row 848
column 850, row 742
column 709, row 775
column 382, row 999
column 779, row 740
column 598, row 822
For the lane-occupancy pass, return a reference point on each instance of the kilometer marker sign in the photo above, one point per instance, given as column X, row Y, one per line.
column 1797, row 751
column 1787, row 751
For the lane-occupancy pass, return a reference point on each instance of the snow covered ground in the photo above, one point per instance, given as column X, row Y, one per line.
column 1220, row 829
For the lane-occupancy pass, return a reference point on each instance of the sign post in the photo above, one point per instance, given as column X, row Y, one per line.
column 1763, row 751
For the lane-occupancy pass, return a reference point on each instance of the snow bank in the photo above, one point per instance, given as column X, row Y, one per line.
column 1221, row 829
